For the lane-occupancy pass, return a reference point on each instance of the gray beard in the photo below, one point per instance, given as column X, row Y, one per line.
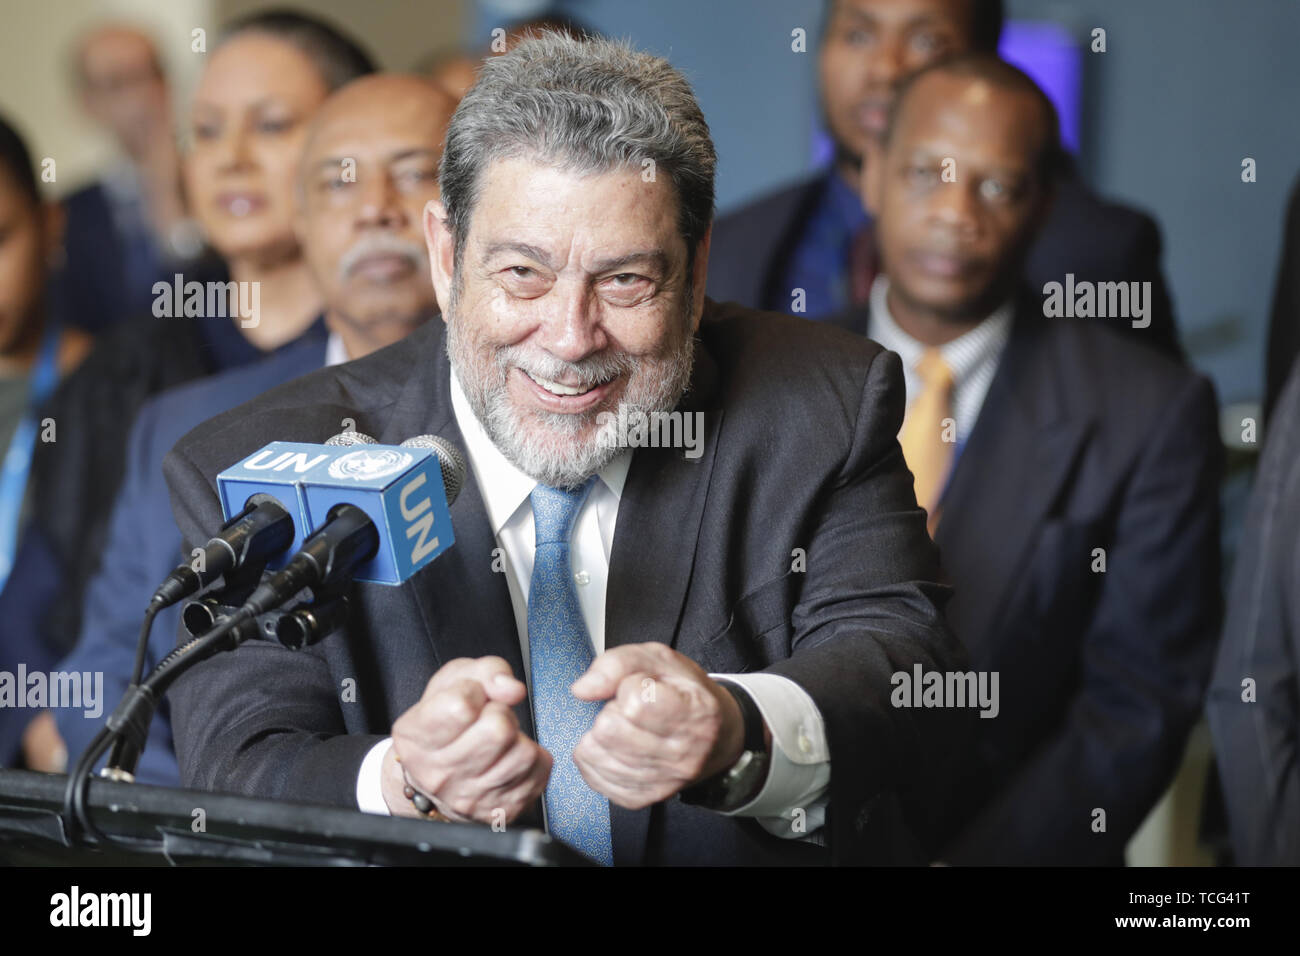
column 551, row 447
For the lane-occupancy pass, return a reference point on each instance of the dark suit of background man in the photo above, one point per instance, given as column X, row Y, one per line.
column 571, row 286
column 815, row 235
column 1035, row 442
column 364, row 242
column 1284, row 319
column 1254, row 701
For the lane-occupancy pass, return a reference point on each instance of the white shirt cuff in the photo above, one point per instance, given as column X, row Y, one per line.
column 370, row 779
column 793, row 800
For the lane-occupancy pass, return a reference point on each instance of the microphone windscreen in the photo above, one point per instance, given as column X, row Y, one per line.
column 449, row 458
column 346, row 438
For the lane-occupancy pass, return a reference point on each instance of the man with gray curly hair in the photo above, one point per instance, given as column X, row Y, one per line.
column 670, row 645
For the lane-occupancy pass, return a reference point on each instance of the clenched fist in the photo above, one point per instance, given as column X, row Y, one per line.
column 666, row 726
column 461, row 746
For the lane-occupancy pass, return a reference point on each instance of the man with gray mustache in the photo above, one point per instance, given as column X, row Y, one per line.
column 369, row 167
column 661, row 659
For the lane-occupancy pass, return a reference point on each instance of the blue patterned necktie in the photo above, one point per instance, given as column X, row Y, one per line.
column 559, row 652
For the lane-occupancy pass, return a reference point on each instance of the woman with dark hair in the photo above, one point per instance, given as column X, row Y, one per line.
column 259, row 88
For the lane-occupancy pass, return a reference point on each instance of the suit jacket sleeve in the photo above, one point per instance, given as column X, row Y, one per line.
column 236, row 731
column 115, row 601
column 869, row 609
column 1255, row 734
column 1146, row 658
column 1284, row 321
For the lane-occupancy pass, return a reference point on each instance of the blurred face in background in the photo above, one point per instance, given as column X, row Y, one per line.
column 122, row 88
column 370, row 168
column 29, row 233
column 869, row 46
column 954, row 249
column 248, row 126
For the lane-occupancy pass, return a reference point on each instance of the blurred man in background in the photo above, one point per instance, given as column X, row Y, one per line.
column 1071, row 477
column 361, row 233
column 815, row 235
column 129, row 227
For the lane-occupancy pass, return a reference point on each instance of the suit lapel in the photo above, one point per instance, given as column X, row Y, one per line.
column 1015, row 462
column 465, row 607
column 463, row 603
column 653, row 551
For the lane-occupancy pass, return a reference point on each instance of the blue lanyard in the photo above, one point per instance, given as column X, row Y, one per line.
column 18, row 460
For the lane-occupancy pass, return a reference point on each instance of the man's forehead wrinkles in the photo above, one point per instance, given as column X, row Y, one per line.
column 334, row 150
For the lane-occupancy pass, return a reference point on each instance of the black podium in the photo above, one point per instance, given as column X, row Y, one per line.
column 158, row 826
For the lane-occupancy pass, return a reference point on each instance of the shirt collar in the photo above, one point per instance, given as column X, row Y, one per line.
column 963, row 354
column 336, row 353
column 503, row 486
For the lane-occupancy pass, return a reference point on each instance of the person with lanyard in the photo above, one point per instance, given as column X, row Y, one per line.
column 262, row 83
column 17, row 462
column 36, row 351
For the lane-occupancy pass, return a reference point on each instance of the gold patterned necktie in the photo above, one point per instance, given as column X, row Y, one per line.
column 927, row 421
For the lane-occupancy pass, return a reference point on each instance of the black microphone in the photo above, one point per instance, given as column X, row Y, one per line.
column 263, row 529
column 328, row 558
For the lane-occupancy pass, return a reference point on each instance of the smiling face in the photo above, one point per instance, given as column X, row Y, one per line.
column 249, row 122
column 572, row 296
column 870, row 46
column 953, row 249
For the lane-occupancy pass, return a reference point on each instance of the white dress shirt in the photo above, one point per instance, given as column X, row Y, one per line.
column 973, row 356
column 799, row 776
column 336, row 353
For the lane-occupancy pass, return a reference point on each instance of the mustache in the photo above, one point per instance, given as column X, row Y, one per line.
column 380, row 244
column 589, row 372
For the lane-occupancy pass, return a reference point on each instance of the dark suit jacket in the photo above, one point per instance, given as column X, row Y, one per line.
column 1096, row 240
column 1084, row 441
column 92, row 289
column 1257, row 741
column 143, row 546
column 1284, row 319
column 800, row 453
column 89, row 290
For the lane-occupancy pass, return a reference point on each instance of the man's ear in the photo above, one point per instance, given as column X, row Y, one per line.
column 700, row 276
column 441, row 248
column 871, row 180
